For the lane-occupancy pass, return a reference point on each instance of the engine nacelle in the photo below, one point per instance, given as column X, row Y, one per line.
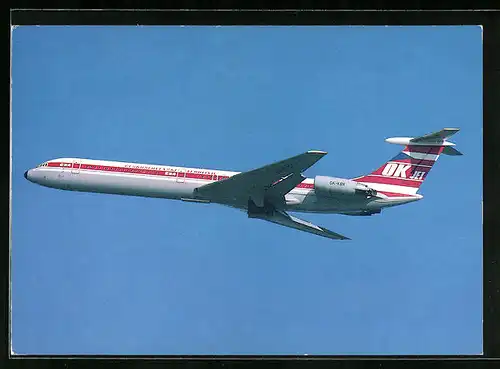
column 334, row 187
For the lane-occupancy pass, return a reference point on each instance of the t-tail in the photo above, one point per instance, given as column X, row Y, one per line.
column 403, row 175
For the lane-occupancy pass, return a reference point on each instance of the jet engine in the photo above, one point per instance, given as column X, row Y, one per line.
column 334, row 187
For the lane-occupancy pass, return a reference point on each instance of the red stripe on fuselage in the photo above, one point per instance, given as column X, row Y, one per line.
column 154, row 172
column 305, row 185
column 59, row 164
column 171, row 174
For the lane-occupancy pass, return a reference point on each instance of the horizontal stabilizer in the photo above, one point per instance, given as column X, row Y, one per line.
column 436, row 136
column 285, row 219
column 448, row 150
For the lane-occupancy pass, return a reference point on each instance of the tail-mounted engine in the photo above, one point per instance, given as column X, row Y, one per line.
column 334, row 187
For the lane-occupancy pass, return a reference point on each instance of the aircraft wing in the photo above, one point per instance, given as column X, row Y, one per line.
column 436, row 136
column 273, row 180
column 287, row 220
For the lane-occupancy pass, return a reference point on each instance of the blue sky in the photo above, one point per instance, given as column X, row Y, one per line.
column 105, row 274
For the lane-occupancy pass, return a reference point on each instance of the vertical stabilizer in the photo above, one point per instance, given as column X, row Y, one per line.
column 404, row 174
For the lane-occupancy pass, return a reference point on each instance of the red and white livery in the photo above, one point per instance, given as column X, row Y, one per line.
column 268, row 192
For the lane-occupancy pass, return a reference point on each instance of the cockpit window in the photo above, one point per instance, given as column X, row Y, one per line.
column 42, row 165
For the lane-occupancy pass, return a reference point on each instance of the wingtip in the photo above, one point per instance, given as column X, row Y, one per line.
column 317, row 152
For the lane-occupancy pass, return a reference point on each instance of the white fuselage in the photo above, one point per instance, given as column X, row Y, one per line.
column 178, row 183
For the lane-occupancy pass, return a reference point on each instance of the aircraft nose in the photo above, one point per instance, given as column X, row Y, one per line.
column 26, row 175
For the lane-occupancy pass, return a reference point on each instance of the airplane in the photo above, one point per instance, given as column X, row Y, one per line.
column 268, row 192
